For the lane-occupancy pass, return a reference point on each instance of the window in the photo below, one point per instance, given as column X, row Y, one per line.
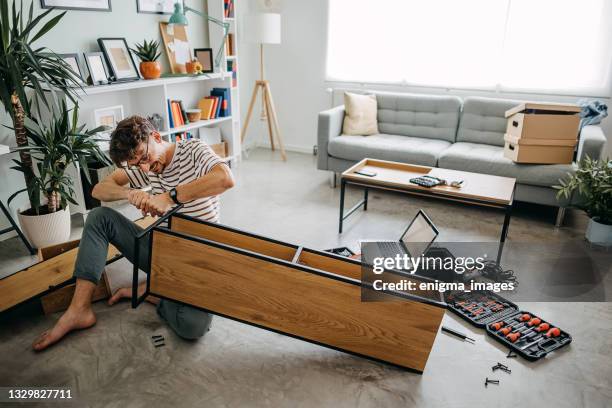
column 553, row 46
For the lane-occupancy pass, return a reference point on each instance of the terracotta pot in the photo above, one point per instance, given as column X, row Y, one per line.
column 150, row 69
column 190, row 67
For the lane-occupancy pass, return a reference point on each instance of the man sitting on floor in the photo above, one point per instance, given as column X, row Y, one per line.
column 186, row 172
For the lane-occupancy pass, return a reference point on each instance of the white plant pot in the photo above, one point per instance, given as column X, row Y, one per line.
column 46, row 230
column 598, row 233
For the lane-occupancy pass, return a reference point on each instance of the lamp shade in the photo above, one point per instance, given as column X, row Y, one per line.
column 263, row 28
column 178, row 16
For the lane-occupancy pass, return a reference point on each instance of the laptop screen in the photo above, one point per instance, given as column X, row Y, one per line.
column 419, row 235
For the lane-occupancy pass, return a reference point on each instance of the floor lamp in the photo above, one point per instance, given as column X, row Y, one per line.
column 264, row 28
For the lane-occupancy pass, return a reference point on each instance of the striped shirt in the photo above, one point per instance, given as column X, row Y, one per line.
column 192, row 159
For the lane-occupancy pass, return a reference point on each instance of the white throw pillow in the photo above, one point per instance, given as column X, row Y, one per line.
column 361, row 112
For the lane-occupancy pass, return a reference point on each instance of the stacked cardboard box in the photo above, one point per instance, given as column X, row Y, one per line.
column 543, row 133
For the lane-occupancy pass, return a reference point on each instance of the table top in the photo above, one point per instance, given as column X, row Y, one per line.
column 390, row 175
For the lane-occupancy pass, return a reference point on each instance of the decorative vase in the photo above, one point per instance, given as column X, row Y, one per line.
column 47, row 229
column 150, row 69
column 598, row 233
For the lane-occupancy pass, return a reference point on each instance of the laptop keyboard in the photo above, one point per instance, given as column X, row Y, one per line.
column 390, row 249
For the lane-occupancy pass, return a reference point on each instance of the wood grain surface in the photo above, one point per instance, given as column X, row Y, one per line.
column 393, row 175
column 292, row 301
column 40, row 277
column 214, row 233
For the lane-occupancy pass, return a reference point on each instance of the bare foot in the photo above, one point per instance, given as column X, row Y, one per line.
column 127, row 293
column 72, row 319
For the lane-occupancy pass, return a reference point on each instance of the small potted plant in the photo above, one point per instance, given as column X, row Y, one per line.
column 593, row 181
column 55, row 148
column 150, row 68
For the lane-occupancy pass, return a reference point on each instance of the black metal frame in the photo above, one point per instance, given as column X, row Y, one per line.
column 109, row 61
column 15, row 227
column 427, row 193
column 156, row 227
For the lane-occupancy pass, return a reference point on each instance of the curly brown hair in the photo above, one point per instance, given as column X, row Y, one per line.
column 126, row 137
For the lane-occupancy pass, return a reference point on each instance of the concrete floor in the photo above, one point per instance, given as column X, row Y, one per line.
column 114, row 364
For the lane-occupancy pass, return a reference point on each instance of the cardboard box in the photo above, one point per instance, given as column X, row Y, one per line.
column 543, row 121
column 539, row 151
column 220, row 149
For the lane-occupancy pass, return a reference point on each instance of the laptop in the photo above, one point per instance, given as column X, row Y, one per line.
column 415, row 240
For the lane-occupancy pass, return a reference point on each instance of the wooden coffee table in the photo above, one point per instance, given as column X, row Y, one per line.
column 477, row 189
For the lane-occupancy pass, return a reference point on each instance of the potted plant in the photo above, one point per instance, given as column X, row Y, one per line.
column 593, row 180
column 150, row 68
column 55, row 148
column 24, row 67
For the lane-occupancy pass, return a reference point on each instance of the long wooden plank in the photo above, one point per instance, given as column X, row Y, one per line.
column 283, row 298
column 39, row 278
column 250, row 243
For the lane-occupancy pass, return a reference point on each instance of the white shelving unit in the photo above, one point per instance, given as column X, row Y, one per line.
column 216, row 10
column 146, row 97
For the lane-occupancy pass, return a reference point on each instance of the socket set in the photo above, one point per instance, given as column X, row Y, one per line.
column 525, row 333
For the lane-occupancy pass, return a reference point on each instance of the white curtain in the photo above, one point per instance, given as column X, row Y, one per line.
column 551, row 46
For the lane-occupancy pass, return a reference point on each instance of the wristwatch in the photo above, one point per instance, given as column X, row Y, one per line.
column 174, row 196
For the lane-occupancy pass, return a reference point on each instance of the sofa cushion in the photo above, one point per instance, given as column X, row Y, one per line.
column 404, row 149
column 483, row 120
column 487, row 159
column 360, row 117
column 424, row 116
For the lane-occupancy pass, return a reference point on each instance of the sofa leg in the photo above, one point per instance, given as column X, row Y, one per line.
column 332, row 179
column 560, row 216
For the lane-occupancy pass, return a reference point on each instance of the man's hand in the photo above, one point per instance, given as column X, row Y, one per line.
column 158, row 204
column 138, row 198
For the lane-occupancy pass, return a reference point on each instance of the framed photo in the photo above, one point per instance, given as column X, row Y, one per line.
column 108, row 117
column 96, row 68
column 73, row 61
column 119, row 59
column 155, row 6
column 205, row 57
column 87, row 5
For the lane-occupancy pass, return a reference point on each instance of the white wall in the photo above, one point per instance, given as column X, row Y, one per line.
column 296, row 70
column 77, row 32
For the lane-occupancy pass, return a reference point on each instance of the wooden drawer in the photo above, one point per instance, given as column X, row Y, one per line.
column 303, row 293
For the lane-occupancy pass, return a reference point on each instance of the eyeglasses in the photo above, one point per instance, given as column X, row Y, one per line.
column 143, row 159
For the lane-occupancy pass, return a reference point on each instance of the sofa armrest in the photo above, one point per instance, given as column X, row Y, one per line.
column 592, row 141
column 330, row 125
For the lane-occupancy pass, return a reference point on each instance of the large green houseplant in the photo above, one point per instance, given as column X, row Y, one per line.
column 55, row 147
column 29, row 74
column 593, row 182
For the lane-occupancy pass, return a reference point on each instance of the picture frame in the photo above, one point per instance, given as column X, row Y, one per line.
column 96, row 67
column 205, row 57
column 73, row 60
column 155, row 6
column 84, row 5
column 109, row 117
column 119, row 59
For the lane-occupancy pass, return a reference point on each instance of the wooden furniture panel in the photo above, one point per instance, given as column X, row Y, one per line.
column 60, row 299
column 290, row 299
column 45, row 275
column 233, row 238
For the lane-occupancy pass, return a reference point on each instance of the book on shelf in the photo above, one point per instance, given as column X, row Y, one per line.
column 229, row 45
column 231, row 68
column 206, row 106
column 176, row 113
column 224, row 95
column 228, row 8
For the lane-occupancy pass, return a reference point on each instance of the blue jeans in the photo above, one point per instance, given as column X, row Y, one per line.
column 106, row 226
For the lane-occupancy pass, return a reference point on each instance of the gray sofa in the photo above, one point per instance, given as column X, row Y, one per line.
column 448, row 132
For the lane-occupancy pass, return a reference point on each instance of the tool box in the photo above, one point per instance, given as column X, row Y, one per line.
column 503, row 319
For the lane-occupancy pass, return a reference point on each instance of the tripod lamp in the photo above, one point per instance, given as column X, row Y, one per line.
column 264, row 28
